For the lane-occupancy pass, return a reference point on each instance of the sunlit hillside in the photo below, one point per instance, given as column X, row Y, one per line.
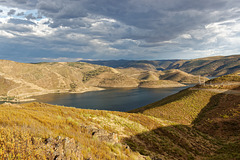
column 196, row 123
column 42, row 131
column 19, row 81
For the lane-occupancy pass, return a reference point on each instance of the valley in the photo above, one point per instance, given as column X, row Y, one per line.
column 119, row 80
column 198, row 122
column 195, row 123
column 20, row 81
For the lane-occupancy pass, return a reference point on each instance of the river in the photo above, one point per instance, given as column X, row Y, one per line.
column 110, row 99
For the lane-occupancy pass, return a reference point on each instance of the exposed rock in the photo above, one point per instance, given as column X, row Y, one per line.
column 102, row 134
column 63, row 148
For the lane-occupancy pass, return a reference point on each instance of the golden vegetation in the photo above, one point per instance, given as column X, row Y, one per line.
column 182, row 107
column 33, row 130
column 195, row 123
column 25, row 123
column 19, row 81
column 160, row 84
column 214, row 112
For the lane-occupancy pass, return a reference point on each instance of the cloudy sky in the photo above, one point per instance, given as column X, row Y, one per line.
column 70, row 30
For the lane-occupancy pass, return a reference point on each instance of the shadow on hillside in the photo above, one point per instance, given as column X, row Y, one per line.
column 219, row 118
column 172, row 142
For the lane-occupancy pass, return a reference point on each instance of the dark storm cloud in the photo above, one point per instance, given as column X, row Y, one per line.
column 129, row 28
column 30, row 16
column 21, row 1
column 73, row 23
column 49, row 7
column 11, row 12
column 162, row 20
column 19, row 29
column 20, row 21
column 21, row 14
column 16, row 26
column 23, row 4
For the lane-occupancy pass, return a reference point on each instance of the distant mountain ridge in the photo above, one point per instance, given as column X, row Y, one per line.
column 209, row 66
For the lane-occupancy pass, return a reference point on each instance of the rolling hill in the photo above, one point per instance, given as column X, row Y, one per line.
column 19, row 81
column 201, row 122
column 170, row 75
column 209, row 66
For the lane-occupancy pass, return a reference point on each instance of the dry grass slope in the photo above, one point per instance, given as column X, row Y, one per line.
column 43, row 131
column 214, row 111
column 19, row 81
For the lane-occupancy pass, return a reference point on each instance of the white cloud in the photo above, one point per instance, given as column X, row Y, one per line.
column 59, row 59
column 186, row 36
column 6, row 34
column 123, row 29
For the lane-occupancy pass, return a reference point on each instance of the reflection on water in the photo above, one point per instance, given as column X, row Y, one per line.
column 110, row 99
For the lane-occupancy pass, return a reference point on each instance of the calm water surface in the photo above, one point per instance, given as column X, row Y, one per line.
column 110, row 99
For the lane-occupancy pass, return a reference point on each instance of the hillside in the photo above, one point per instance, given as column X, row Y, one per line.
column 160, row 84
column 181, row 77
column 209, row 66
column 174, row 75
column 18, row 81
column 42, row 131
column 196, row 123
column 143, row 64
column 212, row 108
column 21, row 80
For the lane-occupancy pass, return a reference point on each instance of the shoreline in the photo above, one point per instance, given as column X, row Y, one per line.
column 27, row 97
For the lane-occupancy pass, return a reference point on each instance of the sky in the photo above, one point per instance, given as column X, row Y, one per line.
column 72, row 30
